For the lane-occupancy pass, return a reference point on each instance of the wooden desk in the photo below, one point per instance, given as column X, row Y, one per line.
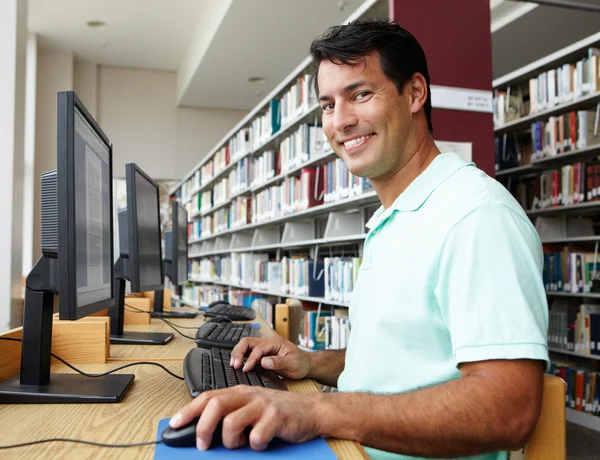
column 153, row 396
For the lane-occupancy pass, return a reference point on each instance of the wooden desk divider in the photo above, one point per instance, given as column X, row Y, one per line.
column 86, row 341
column 287, row 319
column 166, row 297
column 141, row 303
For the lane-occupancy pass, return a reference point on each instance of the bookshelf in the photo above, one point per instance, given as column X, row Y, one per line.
column 547, row 141
column 273, row 212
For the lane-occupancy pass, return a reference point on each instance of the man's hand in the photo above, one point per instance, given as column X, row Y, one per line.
column 274, row 353
column 292, row 417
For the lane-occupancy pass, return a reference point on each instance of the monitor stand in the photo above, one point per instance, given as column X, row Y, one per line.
column 35, row 384
column 158, row 308
column 117, row 312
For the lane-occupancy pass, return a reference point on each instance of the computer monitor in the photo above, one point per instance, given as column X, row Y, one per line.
column 76, row 261
column 176, row 247
column 176, row 261
column 140, row 259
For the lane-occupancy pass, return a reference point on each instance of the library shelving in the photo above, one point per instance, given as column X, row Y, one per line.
column 547, row 143
column 273, row 213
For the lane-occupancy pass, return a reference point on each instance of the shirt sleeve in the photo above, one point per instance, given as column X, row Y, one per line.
column 490, row 288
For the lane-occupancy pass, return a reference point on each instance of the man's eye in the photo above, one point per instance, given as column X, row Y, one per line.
column 362, row 95
column 327, row 107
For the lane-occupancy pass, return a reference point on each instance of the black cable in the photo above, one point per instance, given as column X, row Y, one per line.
column 159, row 316
column 89, row 443
column 85, row 374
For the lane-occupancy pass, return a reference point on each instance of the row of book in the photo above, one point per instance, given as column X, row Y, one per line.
column 570, row 270
column 574, row 329
column 298, row 276
column 571, row 184
column 568, row 82
column 297, row 100
column 236, row 268
column 322, row 329
column 304, row 144
column 280, row 113
column 340, row 277
column 583, row 386
column 292, row 195
column 340, row 183
column 566, row 133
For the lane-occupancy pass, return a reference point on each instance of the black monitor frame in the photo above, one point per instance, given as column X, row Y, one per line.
column 127, row 267
column 171, row 263
column 134, row 254
column 67, row 103
column 55, row 274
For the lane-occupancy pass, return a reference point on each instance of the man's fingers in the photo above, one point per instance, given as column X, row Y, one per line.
column 216, row 409
column 239, row 351
column 267, row 348
column 190, row 412
column 264, row 431
column 234, row 425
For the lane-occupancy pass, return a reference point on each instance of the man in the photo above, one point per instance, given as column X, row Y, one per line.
column 449, row 315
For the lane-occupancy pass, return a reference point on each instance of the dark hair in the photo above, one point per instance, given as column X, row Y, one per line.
column 400, row 54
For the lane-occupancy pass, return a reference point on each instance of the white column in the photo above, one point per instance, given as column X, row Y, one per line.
column 29, row 159
column 13, row 42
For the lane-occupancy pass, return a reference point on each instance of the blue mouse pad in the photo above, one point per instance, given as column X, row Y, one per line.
column 316, row 448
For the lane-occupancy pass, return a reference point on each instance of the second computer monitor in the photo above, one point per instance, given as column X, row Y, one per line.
column 143, row 216
column 176, row 246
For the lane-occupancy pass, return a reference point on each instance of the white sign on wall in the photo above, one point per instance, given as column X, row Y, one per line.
column 473, row 100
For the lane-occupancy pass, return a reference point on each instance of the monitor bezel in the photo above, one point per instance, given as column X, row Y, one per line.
column 176, row 209
column 67, row 102
column 134, row 261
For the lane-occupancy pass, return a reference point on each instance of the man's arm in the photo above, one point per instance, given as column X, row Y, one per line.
column 494, row 406
column 326, row 366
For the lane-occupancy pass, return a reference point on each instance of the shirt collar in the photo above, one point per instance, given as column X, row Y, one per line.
column 440, row 169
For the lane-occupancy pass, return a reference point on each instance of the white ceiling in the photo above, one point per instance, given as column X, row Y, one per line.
column 261, row 38
column 139, row 33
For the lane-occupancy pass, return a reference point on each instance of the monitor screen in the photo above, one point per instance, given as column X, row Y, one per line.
column 148, row 234
column 182, row 241
column 92, row 214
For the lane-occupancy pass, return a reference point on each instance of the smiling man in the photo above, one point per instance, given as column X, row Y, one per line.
column 449, row 314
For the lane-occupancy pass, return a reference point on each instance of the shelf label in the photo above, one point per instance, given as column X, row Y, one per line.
column 474, row 100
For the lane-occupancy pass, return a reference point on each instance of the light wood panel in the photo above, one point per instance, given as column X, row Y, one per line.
column 74, row 341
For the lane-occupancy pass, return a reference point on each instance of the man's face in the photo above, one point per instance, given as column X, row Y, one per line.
column 365, row 118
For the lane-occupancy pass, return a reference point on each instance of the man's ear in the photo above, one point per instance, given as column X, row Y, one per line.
column 417, row 92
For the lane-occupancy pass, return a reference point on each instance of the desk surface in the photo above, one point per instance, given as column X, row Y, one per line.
column 154, row 395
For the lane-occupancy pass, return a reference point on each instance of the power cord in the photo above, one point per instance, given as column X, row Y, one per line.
column 104, row 373
column 79, row 441
column 159, row 316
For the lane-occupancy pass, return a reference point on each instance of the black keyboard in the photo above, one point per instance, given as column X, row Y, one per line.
column 233, row 312
column 224, row 335
column 205, row 369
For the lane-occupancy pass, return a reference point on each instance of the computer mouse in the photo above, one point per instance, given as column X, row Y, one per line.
column 186, row 435
column 220, row 319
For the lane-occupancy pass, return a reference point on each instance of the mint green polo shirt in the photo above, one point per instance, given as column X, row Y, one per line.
column 451, row 273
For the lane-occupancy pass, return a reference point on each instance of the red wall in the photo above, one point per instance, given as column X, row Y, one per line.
column 458, row 47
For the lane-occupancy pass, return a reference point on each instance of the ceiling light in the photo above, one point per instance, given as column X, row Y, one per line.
column 96, row 24
column 257, row 79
